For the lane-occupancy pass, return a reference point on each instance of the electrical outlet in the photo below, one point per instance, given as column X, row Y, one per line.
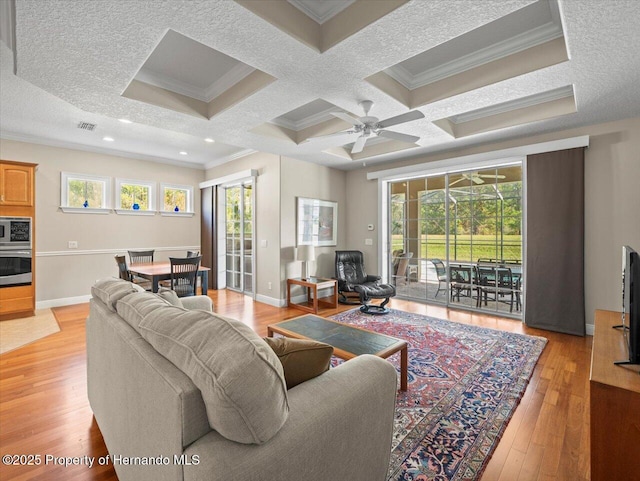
column 269, row 285
column 73, row 244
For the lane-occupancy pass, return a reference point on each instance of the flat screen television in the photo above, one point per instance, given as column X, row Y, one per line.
column 631, row 304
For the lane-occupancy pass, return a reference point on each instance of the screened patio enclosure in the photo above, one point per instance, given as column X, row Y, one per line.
column 456, row 239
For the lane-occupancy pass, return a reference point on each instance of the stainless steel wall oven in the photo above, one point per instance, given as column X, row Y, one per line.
column 16, row 254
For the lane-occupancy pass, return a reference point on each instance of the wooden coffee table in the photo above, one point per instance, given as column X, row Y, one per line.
column 347, row 341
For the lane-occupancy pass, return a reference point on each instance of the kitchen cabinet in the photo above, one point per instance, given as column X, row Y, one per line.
column 16, row 184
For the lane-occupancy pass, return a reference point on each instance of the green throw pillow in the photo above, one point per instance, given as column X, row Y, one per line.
column 301, row 359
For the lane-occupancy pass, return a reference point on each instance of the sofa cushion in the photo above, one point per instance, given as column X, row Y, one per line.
column 111, row 290
column 170, row 296
column 239, row 375
column 134, row 307
column 301, row 359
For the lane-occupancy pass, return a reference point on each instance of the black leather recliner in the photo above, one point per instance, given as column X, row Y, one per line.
column 353, row 279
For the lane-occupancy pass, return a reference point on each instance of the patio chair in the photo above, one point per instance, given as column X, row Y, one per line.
column 500, row 285
column 401, row 268
column 441, row 272
column 463, row 281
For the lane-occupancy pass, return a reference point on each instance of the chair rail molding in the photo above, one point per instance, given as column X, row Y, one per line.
column 91, row 252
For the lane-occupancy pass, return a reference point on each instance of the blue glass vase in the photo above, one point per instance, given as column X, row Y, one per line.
column 85, row 204
column 136, row 206
column 177, row 209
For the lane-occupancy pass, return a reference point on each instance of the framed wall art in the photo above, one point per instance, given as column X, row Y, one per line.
column 317, row 222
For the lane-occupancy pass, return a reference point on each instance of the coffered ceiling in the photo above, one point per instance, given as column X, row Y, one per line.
column 265, row 75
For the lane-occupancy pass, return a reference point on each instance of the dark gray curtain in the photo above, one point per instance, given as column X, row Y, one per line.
column 555, row 241
column 208, row 234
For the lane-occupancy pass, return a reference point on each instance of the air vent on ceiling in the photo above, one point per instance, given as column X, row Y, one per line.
column 87, row 126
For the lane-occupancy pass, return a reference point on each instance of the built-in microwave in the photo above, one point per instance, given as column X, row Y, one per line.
column 15, row 233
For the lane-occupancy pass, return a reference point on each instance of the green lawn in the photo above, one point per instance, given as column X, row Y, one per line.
column 484, row 246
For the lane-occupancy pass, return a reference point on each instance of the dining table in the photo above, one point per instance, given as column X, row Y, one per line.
column 157, row 271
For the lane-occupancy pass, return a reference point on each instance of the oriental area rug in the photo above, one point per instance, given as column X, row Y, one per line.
column 465, row 383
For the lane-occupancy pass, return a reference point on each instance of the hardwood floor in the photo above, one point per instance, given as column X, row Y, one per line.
column 44, row 408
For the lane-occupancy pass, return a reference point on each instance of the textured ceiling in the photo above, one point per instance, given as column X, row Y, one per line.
column 74, row 59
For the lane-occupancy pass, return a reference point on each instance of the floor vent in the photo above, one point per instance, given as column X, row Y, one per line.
column 87, row 126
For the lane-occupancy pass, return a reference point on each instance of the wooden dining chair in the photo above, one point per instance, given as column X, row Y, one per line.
column 193, row 253
column 126, row 274
column 184, row 272
column 137, row 257
column 123, row 271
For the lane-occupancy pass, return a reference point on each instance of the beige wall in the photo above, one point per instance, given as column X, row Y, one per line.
column 612, row 203
column 267, row 221
column 304, row 179
column 67, row 273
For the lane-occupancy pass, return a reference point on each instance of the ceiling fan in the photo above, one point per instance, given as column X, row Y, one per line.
column 477, row 178
column 368, row 127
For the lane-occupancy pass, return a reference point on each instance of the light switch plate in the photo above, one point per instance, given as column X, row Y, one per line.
column 368, row 242
column 264, row 243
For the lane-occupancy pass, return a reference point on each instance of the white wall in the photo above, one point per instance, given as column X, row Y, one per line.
column 63, row 273
column 267, row 218
column 612, row 203
column 304, row 179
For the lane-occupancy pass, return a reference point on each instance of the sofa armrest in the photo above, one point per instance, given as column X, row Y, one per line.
column 203, row 303
column 339, row 427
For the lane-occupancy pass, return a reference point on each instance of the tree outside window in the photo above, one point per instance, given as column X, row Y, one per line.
column 177, row 199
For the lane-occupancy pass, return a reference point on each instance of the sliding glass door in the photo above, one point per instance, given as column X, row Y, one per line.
column 239, row 210
column 457, row 239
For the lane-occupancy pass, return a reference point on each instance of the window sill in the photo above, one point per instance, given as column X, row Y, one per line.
column 84, row 210
column 135, row 212
column 177, row 214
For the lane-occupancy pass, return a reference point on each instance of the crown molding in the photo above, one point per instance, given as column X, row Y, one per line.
column 334, row 10
column 523, row 102
column 224, row 83
column 531, row 38
column 228, row 80
column 32, row 139
column 229, row 158
column 306, row 122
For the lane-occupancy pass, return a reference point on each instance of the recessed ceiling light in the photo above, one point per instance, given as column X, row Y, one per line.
column 107, row 139
column 182, row 152
column 210, row 140
column 125, row 121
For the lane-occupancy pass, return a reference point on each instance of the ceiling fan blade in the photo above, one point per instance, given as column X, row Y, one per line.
column 390, row 134
column 400, row 119
column 477, row 180
column 456, row 181
column 491, row 176
column 347, row 118
column 339, row 138
column 358, row 145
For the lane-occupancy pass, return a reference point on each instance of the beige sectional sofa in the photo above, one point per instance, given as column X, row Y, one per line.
column 157, row 421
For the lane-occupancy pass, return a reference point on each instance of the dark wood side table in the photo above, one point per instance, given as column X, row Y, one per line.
column 312, row 285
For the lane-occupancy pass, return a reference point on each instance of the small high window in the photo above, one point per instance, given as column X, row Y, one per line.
column 135, row 197
column 85, row 193
column 176, row 199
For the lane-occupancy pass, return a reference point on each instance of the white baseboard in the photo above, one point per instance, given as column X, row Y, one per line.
column 64, row 301
column 589, row 329
column 272, row 301
column 303, row 297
